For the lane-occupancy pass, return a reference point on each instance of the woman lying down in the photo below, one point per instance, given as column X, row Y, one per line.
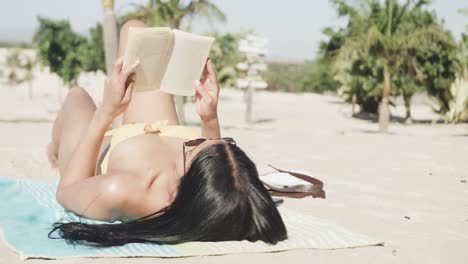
column 165, row 182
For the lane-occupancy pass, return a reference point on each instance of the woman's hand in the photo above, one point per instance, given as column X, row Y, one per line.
column 118, row 89
column 207, row 94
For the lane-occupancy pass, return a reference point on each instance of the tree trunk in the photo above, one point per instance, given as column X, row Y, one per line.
column 248, row 104
column 384, row 113
column 407, row 100
column 353, row 101
column 110, row 34
column 30, row 91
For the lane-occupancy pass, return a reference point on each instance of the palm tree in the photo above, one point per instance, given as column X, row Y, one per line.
column 110, row 34
column 380, row 33
column 172, row 13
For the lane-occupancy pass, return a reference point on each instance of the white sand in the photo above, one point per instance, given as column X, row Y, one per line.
column 406, row 188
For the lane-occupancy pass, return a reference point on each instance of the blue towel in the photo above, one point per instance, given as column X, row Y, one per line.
column 28, row 208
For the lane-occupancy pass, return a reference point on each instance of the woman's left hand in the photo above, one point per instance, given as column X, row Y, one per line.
column 207, row 94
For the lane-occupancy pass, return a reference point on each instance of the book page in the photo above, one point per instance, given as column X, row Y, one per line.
column 152, row 46
column 186, row 63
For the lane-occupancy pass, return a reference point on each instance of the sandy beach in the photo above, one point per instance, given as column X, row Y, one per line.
column 408, row 188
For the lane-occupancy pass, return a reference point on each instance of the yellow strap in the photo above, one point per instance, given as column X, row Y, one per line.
column 130, row 130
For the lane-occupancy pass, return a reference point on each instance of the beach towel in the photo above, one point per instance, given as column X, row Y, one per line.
column 28, row 208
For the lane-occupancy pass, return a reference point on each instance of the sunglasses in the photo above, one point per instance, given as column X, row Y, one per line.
column 198, row 141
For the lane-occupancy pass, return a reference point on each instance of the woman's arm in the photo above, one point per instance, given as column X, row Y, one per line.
column 82, row 163
column 117, row 94
column 210, row 128
column 207, row 95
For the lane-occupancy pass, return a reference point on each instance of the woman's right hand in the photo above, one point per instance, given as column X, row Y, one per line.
column 207, row 93
column 118, row 89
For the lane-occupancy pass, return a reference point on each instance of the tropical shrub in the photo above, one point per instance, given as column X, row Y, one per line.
column 458, row 106
column 320, row 79
column 93, row 50
column 287, row 77
column 59, row 48
column 67, row 53
column 390, row 48
column 225, row 55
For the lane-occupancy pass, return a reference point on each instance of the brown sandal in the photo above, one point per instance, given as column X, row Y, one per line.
column 315, row 189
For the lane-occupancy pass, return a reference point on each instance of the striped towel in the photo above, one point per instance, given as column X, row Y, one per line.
column 28, row 208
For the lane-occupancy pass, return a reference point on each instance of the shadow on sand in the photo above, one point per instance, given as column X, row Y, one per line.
column 264, row 121
column 372, row 131
column 374, row 118
column 460, row 135
column 337, row 102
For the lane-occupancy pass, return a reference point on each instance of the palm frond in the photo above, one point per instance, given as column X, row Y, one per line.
column 400, row 12
column 375, row 38
column 430, row 34
column 420, row 3
column 207, row 10
column 344, row 9
column 352, row 49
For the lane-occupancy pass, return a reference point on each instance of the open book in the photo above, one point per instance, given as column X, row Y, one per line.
column 170, row 60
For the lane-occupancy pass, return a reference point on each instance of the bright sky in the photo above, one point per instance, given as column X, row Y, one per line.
column 292, row 26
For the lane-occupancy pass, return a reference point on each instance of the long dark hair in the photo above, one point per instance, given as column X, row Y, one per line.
column 220, row 198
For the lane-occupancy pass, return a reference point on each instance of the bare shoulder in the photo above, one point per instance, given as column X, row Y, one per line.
column 101, row 197
column 113, row 189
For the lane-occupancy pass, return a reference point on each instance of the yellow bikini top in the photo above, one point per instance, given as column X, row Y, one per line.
column 161, row 128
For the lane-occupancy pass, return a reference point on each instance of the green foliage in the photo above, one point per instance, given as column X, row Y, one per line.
column 287, row 77
column 224, row 53
column 311, row 77
column 93, row 50
column 18, row 45
column 19, row 61
column 59, row 48
column 225, row 56
column 65, row 52
column 462, row 57
column 464, row 11
column 320, row 79
column 438, row 64
column 315, row 77
column 458, row 108
column 404, row 38
column 157, row 13
column 13, row 62
column 13, row 59
column 363, row 80
column 28, row 67
column 430, row 66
